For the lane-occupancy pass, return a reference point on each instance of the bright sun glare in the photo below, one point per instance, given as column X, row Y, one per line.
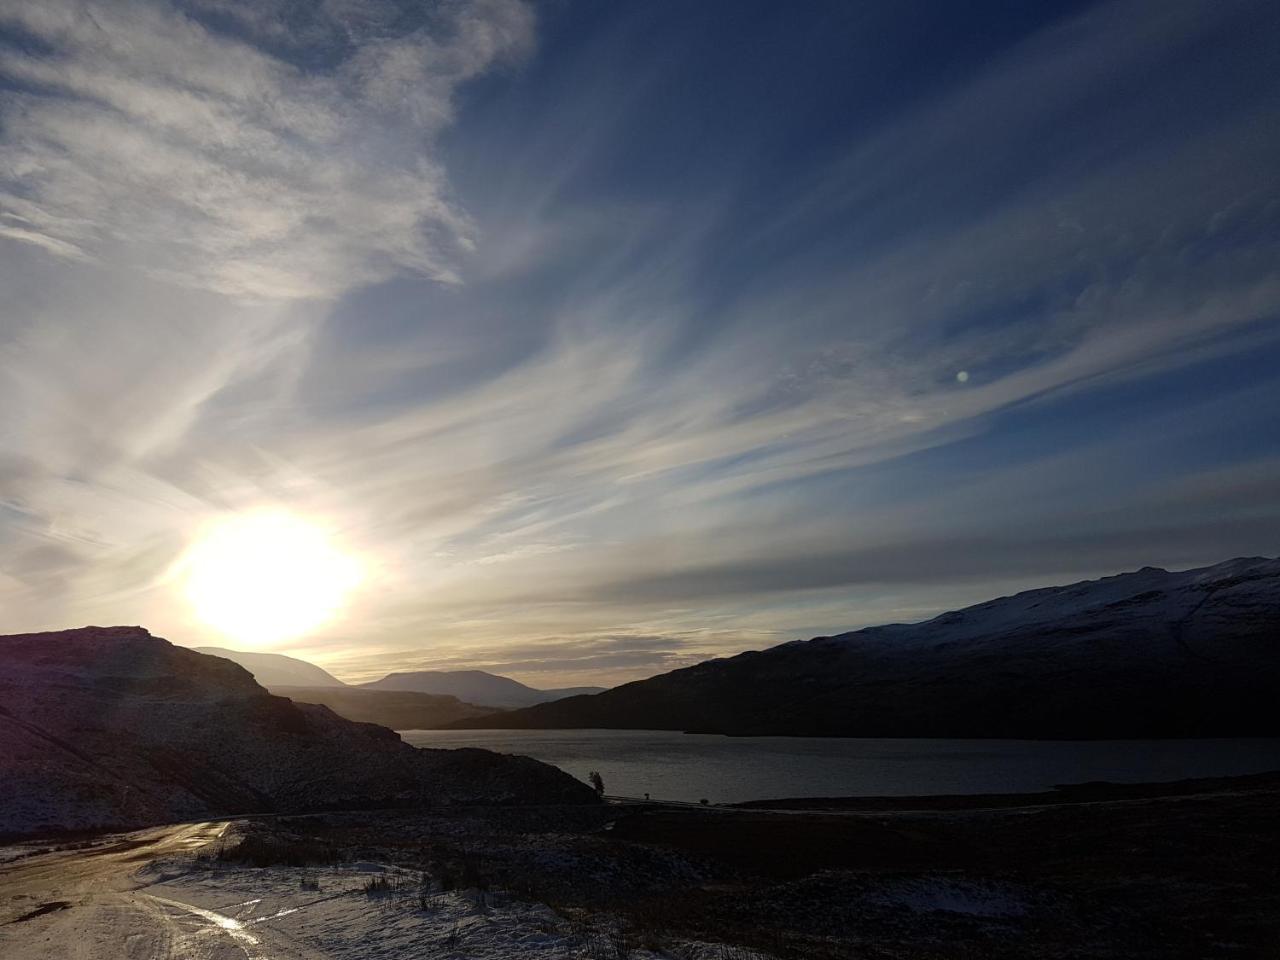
column 265, row 577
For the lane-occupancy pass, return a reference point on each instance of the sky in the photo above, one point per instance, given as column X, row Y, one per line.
column 609, row 337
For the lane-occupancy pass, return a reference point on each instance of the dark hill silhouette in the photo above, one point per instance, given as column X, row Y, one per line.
column 112, row 727
column 1143, row 654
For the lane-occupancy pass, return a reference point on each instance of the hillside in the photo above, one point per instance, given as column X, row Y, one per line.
column 1143, row 654
column 397, row 709
column 112, row 727
column 475, row 686
column 275, row 669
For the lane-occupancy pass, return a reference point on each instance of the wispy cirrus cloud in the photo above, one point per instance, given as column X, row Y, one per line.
column 583, row 660
column 140, row 134
column 177, row 182
column 586, row 420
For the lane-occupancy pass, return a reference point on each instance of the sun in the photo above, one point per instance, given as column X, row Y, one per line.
column 265, row 577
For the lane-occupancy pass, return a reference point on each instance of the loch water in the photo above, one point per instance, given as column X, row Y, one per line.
column 691, row 767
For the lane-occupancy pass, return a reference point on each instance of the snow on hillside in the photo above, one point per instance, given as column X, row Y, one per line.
column 1147, row 595
column 340, row 921
column 1151, row 653
column 189, row 905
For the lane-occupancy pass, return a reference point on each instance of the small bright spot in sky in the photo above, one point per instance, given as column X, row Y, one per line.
column 962, row 376
column 266, row 577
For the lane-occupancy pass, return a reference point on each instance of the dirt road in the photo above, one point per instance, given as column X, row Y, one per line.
column 94, row 904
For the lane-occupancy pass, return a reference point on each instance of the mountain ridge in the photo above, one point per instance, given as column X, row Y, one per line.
column 1148, row 653
column 397, row 709
column 474, row 686
column 480, row 688
column 276, row 669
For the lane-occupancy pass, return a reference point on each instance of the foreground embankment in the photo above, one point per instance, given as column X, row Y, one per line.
column 1098, row 870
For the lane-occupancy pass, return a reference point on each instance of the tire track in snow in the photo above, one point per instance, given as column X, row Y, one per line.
column 230, row 926
column 215, row 924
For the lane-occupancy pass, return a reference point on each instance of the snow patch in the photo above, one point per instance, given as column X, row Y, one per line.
column 262, row 907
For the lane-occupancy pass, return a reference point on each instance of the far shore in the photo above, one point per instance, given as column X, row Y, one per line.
column 1094, row 792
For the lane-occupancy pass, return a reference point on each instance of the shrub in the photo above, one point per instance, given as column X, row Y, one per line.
column 428, row 899
column 457, row 867
column 261, row 850
column 375, row 886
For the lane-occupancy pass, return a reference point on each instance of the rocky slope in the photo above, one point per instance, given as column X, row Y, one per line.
column 475, row 686
column 1144, row 654
column 111, row 727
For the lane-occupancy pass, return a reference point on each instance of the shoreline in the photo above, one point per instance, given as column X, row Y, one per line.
column 1088, row 792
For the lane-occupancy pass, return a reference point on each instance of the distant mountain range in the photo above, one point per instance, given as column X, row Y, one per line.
column 397, row 709
column 275, row 669
column 423, row 700
column 110, row 727
column 1143, row 654
column 475, row 686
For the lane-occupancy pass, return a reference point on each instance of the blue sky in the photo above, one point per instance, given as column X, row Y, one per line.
column 616, row 336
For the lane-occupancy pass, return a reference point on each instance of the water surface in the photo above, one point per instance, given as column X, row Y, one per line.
column 678, row 766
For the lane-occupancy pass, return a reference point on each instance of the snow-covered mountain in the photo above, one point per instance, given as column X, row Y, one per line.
column 275, row 669
column 1144, row 654
column 475, row 686
column 112, row 727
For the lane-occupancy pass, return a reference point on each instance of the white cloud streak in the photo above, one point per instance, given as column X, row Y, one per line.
column 140, row 136
column 595, row 485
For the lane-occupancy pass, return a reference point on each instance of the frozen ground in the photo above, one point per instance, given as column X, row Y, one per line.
column 1161, row 873
column 257, row 907
column 342, row 921
column 151, row 895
